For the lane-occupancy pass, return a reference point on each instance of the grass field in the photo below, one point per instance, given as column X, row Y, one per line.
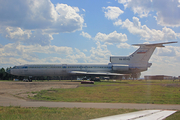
column 126, row 91
column 44, row 113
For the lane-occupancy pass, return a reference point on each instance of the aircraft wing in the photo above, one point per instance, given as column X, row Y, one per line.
column 141, row 115
column 95, row 73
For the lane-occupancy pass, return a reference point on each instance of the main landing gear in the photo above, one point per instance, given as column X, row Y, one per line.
column 30, row 78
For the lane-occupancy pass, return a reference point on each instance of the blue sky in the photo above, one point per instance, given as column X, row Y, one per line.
column 88, row 31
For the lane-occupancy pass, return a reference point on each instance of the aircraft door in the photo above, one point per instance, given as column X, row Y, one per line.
column 64, row 66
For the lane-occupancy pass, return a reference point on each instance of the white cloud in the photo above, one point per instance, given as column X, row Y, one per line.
column 17, row 33
column 100, row 54
column 163, row 67
column 84, row 10
column 147, row 34
column 142, row 8
column 18, row 50
column 113, row 37
column 85, row 50
column 85, row 34
column 124, row 45
column 35, row 21
column 27, row 36
column 39, row 37
column 107, row 43
column 125, row 2
column 112, row 12
column 16, row 53
column 26, row 14
column 118, row 22
column 48, row 49
column 67, row 19
column 169, row 51
column 165, row 61
column 78, row 56
column 167, row 11
column 40, row 14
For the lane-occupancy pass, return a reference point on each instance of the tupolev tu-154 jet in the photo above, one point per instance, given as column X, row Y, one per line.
column 133, row 64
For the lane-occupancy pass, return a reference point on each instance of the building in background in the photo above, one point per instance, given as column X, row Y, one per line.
column 158, row 77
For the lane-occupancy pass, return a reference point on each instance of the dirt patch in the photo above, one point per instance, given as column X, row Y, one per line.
column 24, row 89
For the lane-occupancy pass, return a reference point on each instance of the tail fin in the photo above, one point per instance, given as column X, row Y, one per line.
column 142, row 55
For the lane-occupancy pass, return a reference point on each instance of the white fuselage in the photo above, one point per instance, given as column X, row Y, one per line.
column 57, row 69
column 66, row 69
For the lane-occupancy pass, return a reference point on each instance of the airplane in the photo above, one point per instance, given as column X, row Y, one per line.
column 133, row 64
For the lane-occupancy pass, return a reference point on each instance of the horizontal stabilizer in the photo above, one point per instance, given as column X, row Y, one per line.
column 156, row 44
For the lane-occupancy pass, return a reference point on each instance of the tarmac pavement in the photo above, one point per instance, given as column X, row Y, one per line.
column 13, row 101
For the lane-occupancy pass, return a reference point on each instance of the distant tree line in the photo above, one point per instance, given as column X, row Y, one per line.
column 5, row 76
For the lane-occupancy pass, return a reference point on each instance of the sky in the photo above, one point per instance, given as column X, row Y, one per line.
column 88, row 31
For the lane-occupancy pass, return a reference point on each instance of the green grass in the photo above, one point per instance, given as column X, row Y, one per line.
column 126, row 91
column 153, row 92
column 175, row 116
column 6, row 80
column 44, row 113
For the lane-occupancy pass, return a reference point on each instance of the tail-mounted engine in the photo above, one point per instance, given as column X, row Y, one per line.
column 120, row 67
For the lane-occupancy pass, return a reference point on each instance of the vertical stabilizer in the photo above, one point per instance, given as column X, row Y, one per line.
column 142, row 55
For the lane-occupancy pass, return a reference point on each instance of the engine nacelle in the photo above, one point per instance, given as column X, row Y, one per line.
column 121, row 67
